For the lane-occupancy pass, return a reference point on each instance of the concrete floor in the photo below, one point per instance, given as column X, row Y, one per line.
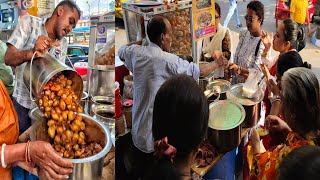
column 310, row 53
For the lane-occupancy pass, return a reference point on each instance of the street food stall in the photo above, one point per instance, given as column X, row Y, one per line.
column 223, row 98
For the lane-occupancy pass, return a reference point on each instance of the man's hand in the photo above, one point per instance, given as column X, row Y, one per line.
column 216, row 54
column 206, row 69
column 43, row 44
column 222, row 61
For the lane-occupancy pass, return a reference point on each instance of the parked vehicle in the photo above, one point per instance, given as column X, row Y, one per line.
column 77, row 53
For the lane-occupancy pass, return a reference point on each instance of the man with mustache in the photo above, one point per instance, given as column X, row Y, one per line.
column 37, row 35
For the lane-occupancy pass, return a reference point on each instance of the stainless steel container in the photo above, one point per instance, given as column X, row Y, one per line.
column 101, row 80
column 106, row 100
column 84, row 101
column 222, row 85
column 43, row 69
column 251, row 106
column 104, row 113
column 203, row 81
column 83, row 169
column 225, row 118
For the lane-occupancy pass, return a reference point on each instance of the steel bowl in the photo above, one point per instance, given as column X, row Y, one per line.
column 89, row 168
column 104, row 113
column 252, row 106
column 223, row 86
column 105, row 100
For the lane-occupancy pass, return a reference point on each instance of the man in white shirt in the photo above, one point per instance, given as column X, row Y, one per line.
column 151, row 66
column 34, row 34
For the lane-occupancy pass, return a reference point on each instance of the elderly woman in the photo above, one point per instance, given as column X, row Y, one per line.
column 40, row 153
column 249, row 49
column 285, row 62
column 284, row 40
column 300, row 107
column 180, row 122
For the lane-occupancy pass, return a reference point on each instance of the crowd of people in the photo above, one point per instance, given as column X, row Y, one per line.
column 169, row 109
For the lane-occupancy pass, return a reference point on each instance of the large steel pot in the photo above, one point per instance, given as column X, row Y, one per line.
column 101, row 80
column 43, row 69
column 252, row 106
column 83, row 169
column 225, row 118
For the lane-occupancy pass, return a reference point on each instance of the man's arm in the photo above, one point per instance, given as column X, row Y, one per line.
column 14, row 57
column 125, row 54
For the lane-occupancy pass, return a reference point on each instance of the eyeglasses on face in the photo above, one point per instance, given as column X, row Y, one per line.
column 217, row 17
column 249, row 18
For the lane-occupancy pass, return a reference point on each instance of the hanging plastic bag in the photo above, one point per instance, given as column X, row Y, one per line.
column 251, row 86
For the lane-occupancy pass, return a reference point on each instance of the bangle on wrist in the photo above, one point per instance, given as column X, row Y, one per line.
column 274, row 100
column 3, row 163
column 27, row 154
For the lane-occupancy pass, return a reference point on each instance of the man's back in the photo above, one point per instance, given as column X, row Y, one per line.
column 151, row 67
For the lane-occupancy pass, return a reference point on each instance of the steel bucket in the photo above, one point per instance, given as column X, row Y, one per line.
column 101, row 80
column 42, row 70
column 89, row 168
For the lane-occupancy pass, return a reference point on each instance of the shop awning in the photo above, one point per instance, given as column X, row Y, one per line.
column 81, row 29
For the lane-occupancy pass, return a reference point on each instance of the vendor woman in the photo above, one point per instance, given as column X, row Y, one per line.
column 220, row 44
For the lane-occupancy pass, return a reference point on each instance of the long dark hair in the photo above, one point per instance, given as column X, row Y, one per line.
column 290, row 60
column 180, row 113
column 292, row 33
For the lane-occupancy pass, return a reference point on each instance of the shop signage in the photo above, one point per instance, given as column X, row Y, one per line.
column 7, row 15
column 203, row 18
